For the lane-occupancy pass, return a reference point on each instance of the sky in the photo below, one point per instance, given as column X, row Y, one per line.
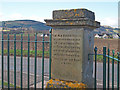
column 105, row 12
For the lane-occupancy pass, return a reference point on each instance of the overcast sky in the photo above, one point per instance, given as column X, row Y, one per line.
column 105, row 12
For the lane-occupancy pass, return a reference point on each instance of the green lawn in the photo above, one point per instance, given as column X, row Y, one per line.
column 22, row 34
column 6, row 84
column 39, row 54
column 100, row 58
column 25, row 53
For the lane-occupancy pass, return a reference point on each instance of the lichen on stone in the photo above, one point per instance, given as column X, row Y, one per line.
column 75, row 10
column 66, row 21
column 64, row 84
column 71, row 23
column 76, row 14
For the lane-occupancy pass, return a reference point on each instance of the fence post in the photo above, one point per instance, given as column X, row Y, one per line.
column 95, row 83
column 113, row 70
column 118, row 72
column 108, row 84
column 2, row 60
column 43, row 63
column 8, row 59
column 28, row 58
column 35, row 61
column 21, row 57
column 104, row 67
column 15, row 61
column 50, row 54
column 3, row 27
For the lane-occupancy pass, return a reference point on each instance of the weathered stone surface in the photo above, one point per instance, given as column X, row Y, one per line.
column 70, row 49
column 73, row 17
column 72, row 41
column 73, row 14
column 73, row 22
column 67, row 50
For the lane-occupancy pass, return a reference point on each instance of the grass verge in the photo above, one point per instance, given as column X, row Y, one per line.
column 100, row 58
column 25, row 53
column 6, row 84
column 39, row 54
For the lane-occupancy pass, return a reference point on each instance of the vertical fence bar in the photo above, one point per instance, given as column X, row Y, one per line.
column 2, row 60
column 104, row 67
column 43, row 63
column 50, row 55
column 28, row 58
column 8, row 59
column 113, row 70
column 15, row 61
column 35, row 61
column 118, row 73
column 108, row 84
column 21, row 57
column 95, row 74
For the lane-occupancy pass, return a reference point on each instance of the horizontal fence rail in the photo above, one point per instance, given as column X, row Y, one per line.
column 106, row 60
column 25, row 41
column 28, row 41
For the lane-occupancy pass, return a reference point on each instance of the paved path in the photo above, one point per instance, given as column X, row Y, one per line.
column 100, row 74
column 25, row 67
column 39, row 71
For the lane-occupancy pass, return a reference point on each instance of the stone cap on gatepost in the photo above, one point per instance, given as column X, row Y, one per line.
column 73, row 17
column 73, row 14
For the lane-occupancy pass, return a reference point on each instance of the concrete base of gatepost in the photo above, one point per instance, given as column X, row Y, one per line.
column 55, row 83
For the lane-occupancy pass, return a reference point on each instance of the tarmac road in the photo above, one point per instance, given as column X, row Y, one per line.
column 46, row 70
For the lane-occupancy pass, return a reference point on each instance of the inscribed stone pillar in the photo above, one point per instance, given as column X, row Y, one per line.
column 72, row 41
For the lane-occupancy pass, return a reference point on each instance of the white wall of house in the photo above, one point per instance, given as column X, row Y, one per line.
column 105, row 36
column 115, row 36
column 41, row 35
column 46, row 35
column 97, row 36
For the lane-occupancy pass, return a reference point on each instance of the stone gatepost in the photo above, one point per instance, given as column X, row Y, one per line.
column 72, row 41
